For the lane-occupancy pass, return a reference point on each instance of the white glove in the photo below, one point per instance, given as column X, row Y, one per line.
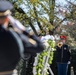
column 69, row 62
column 15, row 23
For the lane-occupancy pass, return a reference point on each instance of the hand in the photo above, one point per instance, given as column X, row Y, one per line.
column 15, row 23
column 69, row 62
column 19, row 25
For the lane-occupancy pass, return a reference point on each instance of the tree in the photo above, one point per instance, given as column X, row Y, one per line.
column 70, row 22
column 34, row 14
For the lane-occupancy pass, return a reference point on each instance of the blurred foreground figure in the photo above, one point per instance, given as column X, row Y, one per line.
column 15, row 42
column 62, row 56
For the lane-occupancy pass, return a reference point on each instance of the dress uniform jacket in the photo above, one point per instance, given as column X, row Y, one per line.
column 10, row 51
column 62, row 54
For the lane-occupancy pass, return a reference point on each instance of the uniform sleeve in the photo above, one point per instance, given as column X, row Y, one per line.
column 40, row 46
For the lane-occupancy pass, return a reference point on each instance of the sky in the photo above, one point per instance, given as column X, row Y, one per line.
column 62, row 2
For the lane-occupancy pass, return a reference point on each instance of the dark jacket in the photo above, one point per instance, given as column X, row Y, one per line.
column 62, row 54
column 9, row 51
column 11, row 48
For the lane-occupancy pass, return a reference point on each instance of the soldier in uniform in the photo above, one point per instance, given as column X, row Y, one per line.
column 12, row 43
column 62, row 56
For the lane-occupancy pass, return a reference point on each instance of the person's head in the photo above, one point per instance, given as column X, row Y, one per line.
column 63, row 39
column 5, row 7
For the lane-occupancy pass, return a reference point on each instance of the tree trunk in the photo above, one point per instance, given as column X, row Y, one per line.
column 37, row 19
column 33, row 28
column 51, row 14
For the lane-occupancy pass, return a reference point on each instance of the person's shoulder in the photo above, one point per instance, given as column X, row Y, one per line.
column 66, row 45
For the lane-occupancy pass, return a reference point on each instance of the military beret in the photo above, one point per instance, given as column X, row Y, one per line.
column 5, row 7
column 63, row 37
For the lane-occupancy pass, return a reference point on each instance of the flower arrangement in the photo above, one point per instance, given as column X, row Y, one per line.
column 44, row 59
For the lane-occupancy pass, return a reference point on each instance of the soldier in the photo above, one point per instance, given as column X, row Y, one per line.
column 14, row 43
column 62, row 56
